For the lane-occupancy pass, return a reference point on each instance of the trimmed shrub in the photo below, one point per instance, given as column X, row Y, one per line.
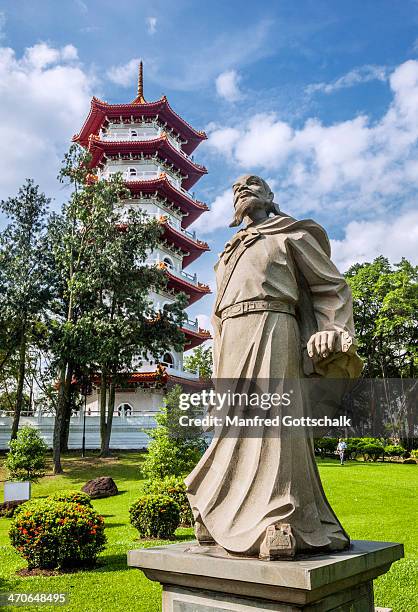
column 26, row 459
column 414, row 453
column 155, row 516
column 74, row 497
column 354, row 447
column 325, row 446
column 166, row 457
column 410, row 461
column 394, row 450
column 176, row 489
column 51, row 534
column 174, row 450
column 371, row 451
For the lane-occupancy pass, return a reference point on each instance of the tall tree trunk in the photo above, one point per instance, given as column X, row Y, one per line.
column 65, row 424
column 103, row 402
column 59, row 417
column 65, row 431
column 105, row 445
column 20, row 383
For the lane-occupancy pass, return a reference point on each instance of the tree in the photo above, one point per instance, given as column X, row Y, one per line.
column 385, row 305
column 103, row 319
column 174, row 450
column 123, row 322
column 24, row 291
column 26, row 459
column 200, row 361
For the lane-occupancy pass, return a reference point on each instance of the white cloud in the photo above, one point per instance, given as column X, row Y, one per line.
column 365, row 240
column 223, row 139
column 363, row 74
column 151, row 25
column 124, row 74
column 227, row 85
column 69, row 53
column 45, row 97
column 266, row 142
column 41, row 55
column 220, row 215
column 354, row 166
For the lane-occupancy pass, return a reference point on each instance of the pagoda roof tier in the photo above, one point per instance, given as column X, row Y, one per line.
column 100, row 111
column 195, row 337
column 192, row 209
column 179, row 282
column 187, row 242
column 148, row 377
column 155, row 377
column 159, row 375
column 160, row 146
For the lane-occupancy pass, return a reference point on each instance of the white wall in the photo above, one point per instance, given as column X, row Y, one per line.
column 126, row 431
column 146, row 131
column 143, row 402
column 145, row 170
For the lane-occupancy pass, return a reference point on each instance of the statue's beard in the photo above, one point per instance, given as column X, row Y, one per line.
column 243, row 208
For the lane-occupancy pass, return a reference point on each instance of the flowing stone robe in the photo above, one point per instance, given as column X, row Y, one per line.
column 244, row 484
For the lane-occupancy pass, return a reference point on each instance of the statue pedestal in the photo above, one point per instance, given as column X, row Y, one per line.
column 196, row 582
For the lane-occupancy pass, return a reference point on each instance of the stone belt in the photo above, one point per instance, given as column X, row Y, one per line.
column 236, row 310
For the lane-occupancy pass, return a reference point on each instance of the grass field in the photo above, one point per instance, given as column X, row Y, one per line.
column 373, row 501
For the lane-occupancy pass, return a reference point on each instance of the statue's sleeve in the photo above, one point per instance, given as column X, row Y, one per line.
column 331, row 296
column 332, row 307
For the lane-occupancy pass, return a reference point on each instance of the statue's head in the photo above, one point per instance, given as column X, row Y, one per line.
column 253, row 198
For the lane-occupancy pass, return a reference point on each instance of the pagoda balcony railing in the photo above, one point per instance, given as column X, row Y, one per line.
column 190, row 278
column 190, row 324
column 126, row 136
column 147, row 175
column 175, row 225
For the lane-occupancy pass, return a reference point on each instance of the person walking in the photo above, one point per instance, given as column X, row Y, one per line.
column 341, row 448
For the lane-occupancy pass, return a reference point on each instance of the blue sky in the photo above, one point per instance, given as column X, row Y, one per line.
column 318, row 97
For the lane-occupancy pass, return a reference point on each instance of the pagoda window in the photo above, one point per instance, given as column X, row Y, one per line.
column 168, row 262
column 134, row 134
column 167, row 360
column 125, row 409
column 132, row 171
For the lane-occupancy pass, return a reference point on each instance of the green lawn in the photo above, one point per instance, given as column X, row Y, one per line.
column 373, row 501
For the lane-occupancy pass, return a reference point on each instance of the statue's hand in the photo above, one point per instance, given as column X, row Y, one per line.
column 322, row 344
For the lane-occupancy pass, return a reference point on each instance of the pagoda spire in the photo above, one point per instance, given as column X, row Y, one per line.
column 140, row 93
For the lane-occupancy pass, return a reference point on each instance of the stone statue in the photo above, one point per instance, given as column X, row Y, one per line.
column 283, row 311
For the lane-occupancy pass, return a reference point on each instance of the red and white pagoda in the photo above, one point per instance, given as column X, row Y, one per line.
column 151, row 146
